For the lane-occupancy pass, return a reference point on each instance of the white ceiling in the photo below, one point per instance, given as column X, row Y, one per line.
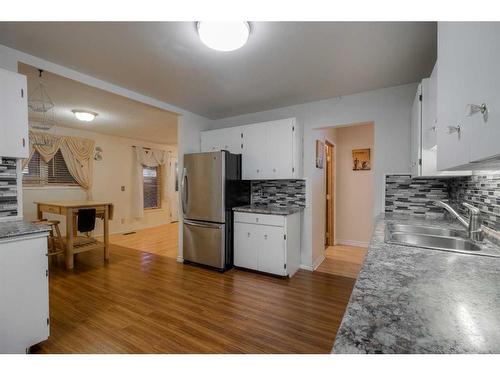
column 283, row 63
column 117, row 115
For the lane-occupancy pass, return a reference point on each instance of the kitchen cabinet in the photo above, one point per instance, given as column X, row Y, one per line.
column 267, row 243
column 423, row 131
column 229, row 139
column 468, row 60
column 270, row 150
column 24, row 292
column 13, row 115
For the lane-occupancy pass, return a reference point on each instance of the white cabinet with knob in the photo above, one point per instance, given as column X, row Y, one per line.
column 267, row 243
column 468, row 60
column 13, row 115
column 424, row 131
column 270, row 150
column 229, row 139
column 24, row 292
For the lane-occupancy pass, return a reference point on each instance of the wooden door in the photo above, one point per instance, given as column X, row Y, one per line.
column 329, row 173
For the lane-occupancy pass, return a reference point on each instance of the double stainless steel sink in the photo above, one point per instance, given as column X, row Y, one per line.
column 454, row 240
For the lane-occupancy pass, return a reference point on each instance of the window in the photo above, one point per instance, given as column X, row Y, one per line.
column 40, row 173
column 152, row 187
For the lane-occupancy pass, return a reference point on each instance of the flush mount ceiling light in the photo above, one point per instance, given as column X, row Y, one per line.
column 223, row 36
column 82, row 115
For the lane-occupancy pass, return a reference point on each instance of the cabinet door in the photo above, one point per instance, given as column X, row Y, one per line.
column 24, row 293
column 13, row 115
column 245, row 246
column 254, row 158
column 453, row 148
column 222, row 139
column 415, row 133
column 271, row 250
column 481, row 79
column 279, row 149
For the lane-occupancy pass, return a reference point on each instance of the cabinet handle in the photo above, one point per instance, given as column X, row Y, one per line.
column 265, row 236
column 248, row 234
column 274, row 169
column 474, row 108
column 24, row 142
column 256, row 219
column 455, row 129
column 257, row 171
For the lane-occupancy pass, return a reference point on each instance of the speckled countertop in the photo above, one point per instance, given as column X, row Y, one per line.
column 269, row 209
column 414, row 300
column 17, row 228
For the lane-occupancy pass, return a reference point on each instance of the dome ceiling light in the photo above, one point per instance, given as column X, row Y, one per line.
column 223, row 36
column 82, row 115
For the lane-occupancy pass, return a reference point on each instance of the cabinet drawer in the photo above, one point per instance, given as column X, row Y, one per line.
column 51, row 209
column 262, row 219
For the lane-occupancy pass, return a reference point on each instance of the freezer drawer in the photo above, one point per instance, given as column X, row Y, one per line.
column 204, row 243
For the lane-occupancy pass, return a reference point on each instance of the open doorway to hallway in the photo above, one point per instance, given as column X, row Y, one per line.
column 348, row 197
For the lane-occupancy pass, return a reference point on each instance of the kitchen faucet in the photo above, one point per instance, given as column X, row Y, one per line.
column 474, row 228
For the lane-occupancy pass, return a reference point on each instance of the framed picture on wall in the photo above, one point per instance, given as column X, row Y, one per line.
column 361, row 159
column 320, row 151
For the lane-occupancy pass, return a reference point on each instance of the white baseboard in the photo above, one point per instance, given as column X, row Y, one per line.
column 180, row 259
column 315, row 264
column 352, row 243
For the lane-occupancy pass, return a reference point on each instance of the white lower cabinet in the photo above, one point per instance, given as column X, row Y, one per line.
column 267, row 243
column 24, row 293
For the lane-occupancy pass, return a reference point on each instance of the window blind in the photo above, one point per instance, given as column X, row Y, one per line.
column 55, row 172
column 152, row 188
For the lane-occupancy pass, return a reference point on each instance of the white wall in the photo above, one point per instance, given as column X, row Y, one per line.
column 110, row 174
column 354, row 189
column 388, row 109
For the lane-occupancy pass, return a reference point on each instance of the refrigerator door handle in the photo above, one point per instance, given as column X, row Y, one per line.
column 184, row 190
column 203, row 225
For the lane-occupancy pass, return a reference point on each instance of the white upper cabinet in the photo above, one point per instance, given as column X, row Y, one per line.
column 415, row 133
column 468, row 60
column 270, row 150
column 254, row 158
column 222, row 139
column 13, row 115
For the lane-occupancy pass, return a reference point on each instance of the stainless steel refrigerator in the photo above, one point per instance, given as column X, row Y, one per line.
column 211, row 186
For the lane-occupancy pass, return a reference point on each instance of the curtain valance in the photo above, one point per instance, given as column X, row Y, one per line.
column 77, row 153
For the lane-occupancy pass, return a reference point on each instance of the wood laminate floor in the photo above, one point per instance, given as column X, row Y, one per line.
column 343, row 260
column 148, row 303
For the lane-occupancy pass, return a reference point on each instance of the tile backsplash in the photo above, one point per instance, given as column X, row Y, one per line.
column 279, row 192
column 483, row 192
column 416, row 196
column 8, row 187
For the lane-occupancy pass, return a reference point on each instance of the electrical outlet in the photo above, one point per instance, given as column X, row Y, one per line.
column 123, row 188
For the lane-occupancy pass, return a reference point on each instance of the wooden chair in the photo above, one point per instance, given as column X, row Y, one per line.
column 56, row 244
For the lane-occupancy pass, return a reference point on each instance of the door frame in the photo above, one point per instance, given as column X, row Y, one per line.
column 330, row 171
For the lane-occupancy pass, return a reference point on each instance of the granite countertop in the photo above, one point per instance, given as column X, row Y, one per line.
column 17, row 228
column 414, row 300
column 269, row 209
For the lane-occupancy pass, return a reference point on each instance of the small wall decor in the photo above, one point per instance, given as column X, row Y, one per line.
column 320, row 151
column 361, row 159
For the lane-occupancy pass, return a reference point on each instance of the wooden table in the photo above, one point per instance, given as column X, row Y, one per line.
column 104, row 210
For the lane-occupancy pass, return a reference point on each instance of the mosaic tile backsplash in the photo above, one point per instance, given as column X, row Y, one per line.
column 483, row 192
column 414, row 196
column 279, row 192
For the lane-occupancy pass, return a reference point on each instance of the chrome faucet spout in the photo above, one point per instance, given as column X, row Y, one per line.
column 474, row 227
column 452, row 212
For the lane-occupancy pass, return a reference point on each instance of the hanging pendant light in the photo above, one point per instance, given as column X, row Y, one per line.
column 42, row 106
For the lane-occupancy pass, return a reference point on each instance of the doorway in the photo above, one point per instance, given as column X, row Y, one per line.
column 330, row 196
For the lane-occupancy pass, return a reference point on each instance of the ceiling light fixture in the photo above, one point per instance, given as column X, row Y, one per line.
column 223, row 36
column 84, row 115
